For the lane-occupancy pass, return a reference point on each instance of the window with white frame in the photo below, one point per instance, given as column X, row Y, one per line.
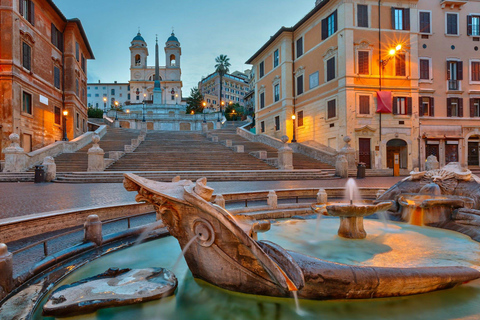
column 299, row 85
column 362, row 15
column 451, row 23
column 364, row 104
column 276, row 58
column 363, row 62
column 330, row 69
column 276, row 92
column 331, row 109
column 424, row 20
column 475, row 71
column 299, row 47
column 424, row 65
column 473, row 25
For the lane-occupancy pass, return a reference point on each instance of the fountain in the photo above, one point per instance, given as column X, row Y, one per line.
column 432, row 197
column 351, row 215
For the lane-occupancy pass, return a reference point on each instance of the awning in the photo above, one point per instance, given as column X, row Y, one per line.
column 441, row 132
column 384, row 102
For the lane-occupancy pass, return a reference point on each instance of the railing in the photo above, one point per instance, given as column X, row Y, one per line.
column 453, row 85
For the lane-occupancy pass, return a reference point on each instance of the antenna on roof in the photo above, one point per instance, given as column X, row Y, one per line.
column 138, row 29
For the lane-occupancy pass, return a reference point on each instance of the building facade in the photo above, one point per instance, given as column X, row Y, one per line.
column 234, row 88
column 43, row 72
column 103, row 95
column 142, row 75
column 398, row 87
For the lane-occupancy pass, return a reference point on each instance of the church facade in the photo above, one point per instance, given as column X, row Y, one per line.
column 142, row 75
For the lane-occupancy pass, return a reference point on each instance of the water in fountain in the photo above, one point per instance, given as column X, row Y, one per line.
column 183, row 253
column 352, row 193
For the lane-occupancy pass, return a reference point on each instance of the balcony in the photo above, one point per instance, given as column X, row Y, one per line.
column 453, row 85
column 452, row 3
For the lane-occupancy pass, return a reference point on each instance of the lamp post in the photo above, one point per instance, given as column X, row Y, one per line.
column 65, row 114
column 144, row 97
column 204, row 104
column 116, row 110
column 293, row 136
column 104, row 105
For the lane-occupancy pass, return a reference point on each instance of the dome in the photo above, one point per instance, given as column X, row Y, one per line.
column 138, row 37
column 172, row 38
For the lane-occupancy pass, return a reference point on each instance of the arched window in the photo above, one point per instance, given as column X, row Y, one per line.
column 172, row 60
column 137, row 60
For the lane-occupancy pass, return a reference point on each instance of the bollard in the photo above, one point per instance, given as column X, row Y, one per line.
column 50, row 168
column 6, row 271
column 322, row 196
column 239, row 148
column 219, row 200
column 93, row 229
column 272, row 199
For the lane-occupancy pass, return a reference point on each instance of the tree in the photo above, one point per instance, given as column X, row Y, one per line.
column 194, row 102
column 223, row 63
column 234, row 112
column 95, row 113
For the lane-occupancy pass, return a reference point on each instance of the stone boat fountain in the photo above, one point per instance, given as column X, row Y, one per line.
column 224, row 253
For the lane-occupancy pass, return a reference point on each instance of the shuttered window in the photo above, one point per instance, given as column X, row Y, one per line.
column 363, row 63
column 400, row 18
column 277, row 123
column 331, row 69
column 56, row 77
column 475, row 70
column 57, row 115
column 400, row 69
column 454, row 107
column 262, row 126
column 425, row 105
column 261, row 68
column 26, row 56
column 300, row 118
column 331, row 109
column 329, row 25
column 299, row 85
column 299, row 47
column 27, row 103
column 56, row 37
column 27, row 10
column 262, row 100
column 424, row 22
column 452, row 23
column 364, row 102
column 402, row 105
column 473, row 25
column 362, row 15
column 424, row 69
column 475, row 107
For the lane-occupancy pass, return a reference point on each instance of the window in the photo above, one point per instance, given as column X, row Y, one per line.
column 364, row 104
column 56, row 37
column 400, row 69
column 77, row 87
column 314, row 80
column 363, row 62
column 97, row 95
column 83, row 63
column 475, row 107
column 473, row 25
column 454, row 107
column 276, row 92
column 329, row 25
column 299, row 47
column 331, row 69
column 261, row 69
column 425, row 106
column 402, row 105
column 424, row 69
column 138, row 97
column 475, row 71
column 77, row 51
column 400, row 18
column 331, row 109
column 56, row 77
column 452, row 24
column 275, row 58
column 262, row 100
column 27, row 103
column 262, row 126
column 78, row 121
column 362, row 15
column 300, row 119
column 26, row 56
column 56, row 111
column 27, row 10
column 112, row 92
column 277, row 123
column 173, row 97
column 424, row 19
column 454, row 74
column 299, row 85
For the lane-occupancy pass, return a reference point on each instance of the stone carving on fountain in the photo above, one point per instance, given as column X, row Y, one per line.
column 431, row 197
column 225, row 253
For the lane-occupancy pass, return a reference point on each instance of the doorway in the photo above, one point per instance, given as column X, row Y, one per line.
column 364, row 152
column 397, row 146
column 27, row 142
column 451, row 151
column 473, row 152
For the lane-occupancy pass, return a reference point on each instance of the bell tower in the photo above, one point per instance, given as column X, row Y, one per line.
column 138, row 52
column 172, row 57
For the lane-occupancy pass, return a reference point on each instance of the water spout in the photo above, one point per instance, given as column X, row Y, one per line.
column 351, row 191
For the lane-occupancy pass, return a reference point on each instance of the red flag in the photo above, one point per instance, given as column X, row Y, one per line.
column 384, row 102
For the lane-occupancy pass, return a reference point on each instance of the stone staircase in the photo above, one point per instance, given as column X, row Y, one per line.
column 114, row 140
column 185, row 151
column 300, row 161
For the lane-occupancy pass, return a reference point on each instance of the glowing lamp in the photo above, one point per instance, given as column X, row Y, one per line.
column 293, row 117
column 65, row 113
column 391, row 52
column 398, row 47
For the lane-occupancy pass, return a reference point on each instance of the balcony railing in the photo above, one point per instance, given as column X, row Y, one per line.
column 453, row 85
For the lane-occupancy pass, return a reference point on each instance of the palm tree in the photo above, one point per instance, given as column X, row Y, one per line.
column 223, row 62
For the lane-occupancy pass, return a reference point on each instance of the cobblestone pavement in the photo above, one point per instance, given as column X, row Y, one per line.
column 19, row 199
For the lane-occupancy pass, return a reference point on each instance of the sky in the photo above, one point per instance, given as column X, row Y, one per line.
column 205, row 29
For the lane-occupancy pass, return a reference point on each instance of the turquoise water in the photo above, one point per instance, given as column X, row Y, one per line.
column 399, row 245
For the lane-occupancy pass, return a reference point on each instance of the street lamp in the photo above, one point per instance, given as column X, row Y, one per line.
column 104, row 105
column 116, row 110
column 391, row 53
column 204, row 104
column 144, row 97
column 65, row 114
column 293, row 119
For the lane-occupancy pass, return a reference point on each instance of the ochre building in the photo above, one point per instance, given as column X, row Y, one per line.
column 43, row 72
column 409, row 85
